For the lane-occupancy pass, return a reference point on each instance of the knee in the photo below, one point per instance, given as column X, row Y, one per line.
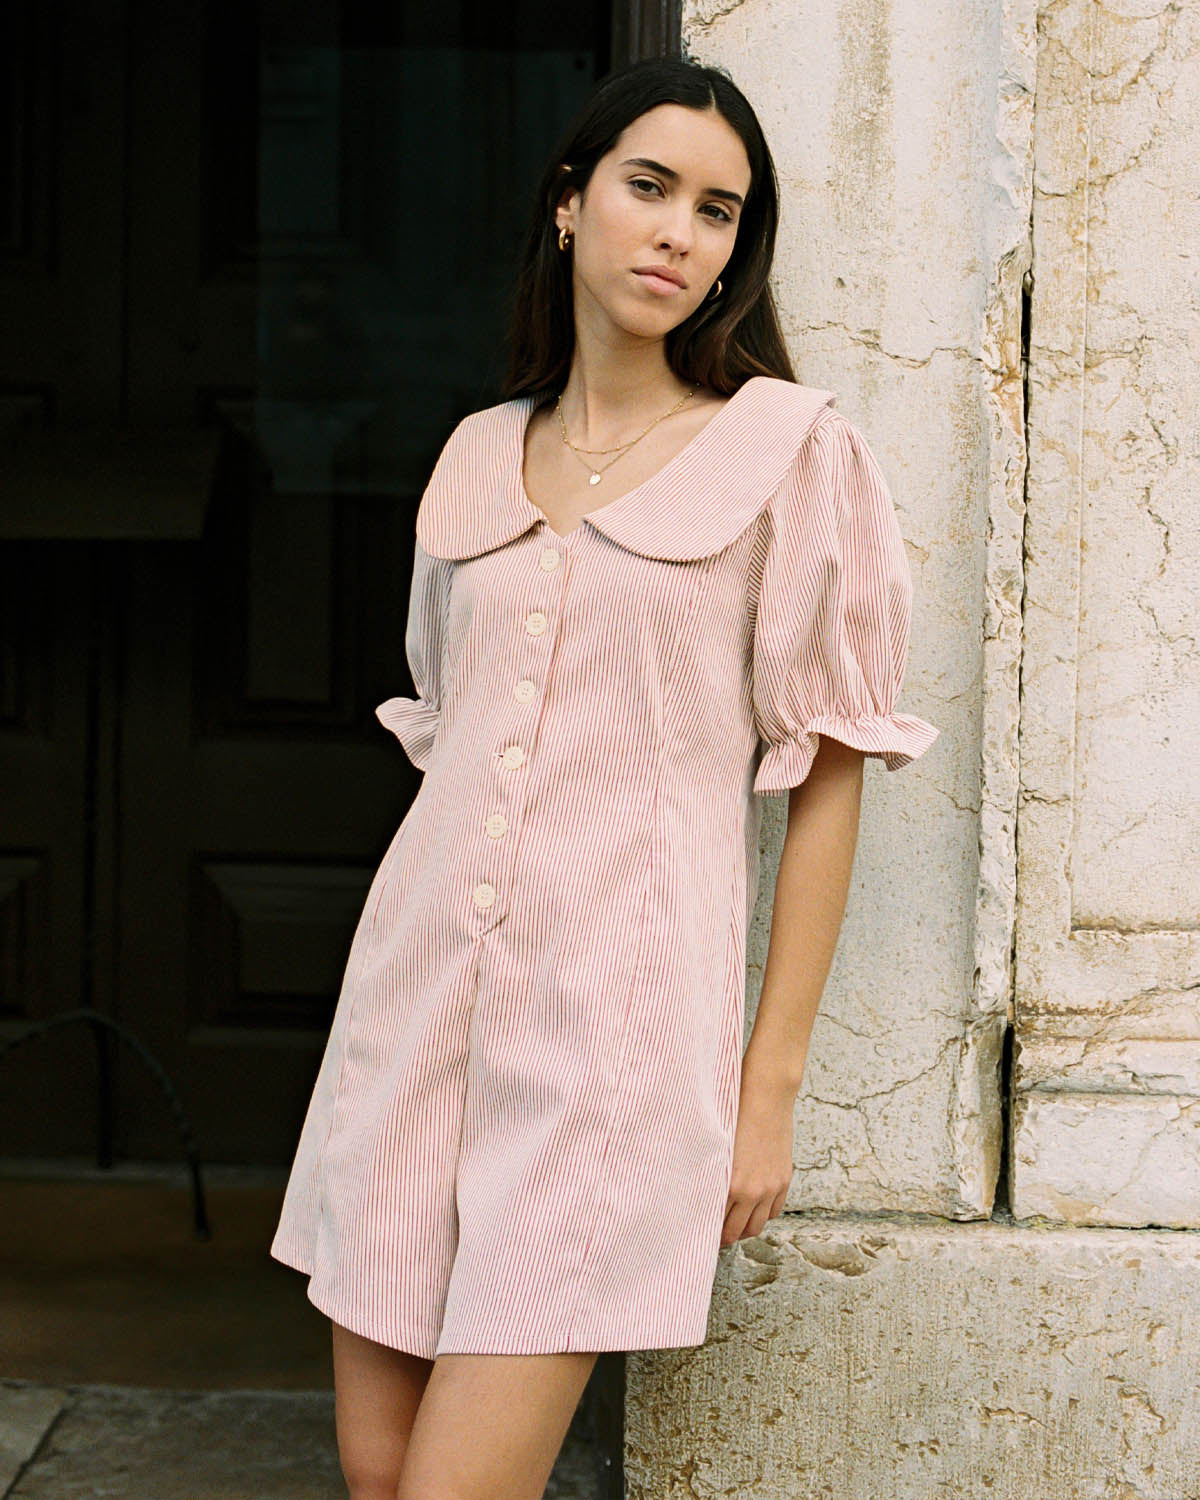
column 407, row 1491
column 371, row 1476
column 362, row 1484
column 418, row 1483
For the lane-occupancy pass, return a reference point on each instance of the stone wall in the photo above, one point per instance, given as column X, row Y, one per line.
column 1106, row 1117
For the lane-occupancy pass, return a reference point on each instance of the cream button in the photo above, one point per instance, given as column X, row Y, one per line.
column 549, row 559
column 513, row 755
column 536, row 622
column 525, row 691
column 496, row 825
column 484, row 894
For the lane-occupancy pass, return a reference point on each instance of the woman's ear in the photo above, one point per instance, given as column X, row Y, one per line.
column 566, row 202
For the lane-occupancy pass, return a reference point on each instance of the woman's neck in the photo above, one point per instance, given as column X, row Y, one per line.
column 610, row 392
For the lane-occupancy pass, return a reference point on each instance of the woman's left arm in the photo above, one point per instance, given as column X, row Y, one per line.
column 810, row 902
column 830, row 641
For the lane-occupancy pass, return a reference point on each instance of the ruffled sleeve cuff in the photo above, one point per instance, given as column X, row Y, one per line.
column 414, row 722
column 896, row 738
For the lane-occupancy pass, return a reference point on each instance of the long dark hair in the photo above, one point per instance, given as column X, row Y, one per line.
column 725, row 341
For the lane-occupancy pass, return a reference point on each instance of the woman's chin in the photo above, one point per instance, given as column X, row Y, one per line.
column 646, row 323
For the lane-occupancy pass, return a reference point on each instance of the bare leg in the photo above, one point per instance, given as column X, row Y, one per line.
column 377, row 1390
column 492, row 1425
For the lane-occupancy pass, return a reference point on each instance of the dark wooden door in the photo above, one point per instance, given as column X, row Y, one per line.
column 255, row 269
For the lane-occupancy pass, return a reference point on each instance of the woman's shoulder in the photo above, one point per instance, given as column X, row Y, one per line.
column 477, row 437
column 773, row 419
column 486, row 418
column 770, row 396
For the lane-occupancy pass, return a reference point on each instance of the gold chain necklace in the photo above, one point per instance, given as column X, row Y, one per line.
column 624, row 447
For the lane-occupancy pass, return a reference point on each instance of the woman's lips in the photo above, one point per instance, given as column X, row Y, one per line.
column 658, row 284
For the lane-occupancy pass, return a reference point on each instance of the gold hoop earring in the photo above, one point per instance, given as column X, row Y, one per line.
column 715, row 293
column 564, row 237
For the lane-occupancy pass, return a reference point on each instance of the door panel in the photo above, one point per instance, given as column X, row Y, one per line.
column 271, row 279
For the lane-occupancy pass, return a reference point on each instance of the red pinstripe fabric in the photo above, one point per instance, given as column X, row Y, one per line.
column 520, row 1137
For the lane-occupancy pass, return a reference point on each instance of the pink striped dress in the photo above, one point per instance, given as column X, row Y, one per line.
column 521, row 1135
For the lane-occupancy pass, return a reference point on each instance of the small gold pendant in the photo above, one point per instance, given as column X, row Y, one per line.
column 595, row 479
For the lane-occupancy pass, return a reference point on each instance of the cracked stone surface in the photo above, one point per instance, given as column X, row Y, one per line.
column 889, row 1356
column 1107, row 1124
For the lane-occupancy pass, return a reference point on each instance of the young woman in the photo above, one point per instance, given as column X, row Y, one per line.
column 657, row 581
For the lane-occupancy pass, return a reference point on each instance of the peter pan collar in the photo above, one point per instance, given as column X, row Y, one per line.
column 699, row 502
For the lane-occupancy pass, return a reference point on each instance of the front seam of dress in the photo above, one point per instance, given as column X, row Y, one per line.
column 618, row 1101
column 737, row 983
column 473, row 982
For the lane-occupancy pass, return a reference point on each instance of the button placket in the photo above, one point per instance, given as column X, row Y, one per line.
column 539, row 628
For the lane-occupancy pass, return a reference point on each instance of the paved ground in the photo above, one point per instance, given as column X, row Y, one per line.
column 124, row 1443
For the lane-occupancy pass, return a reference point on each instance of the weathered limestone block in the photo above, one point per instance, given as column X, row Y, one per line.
column 1107, row 1068
column 862, row 1357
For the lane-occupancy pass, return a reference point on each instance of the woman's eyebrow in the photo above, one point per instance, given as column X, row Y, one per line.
column 657, row 166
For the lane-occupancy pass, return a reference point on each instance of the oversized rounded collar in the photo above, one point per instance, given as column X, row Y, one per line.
column 699, row 502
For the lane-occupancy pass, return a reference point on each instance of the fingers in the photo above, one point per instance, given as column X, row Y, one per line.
column 746, row 1217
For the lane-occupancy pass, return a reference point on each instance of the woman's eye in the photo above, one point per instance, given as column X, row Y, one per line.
column 721, row 215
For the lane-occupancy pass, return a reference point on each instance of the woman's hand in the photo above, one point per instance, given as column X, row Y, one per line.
column 762, row 1159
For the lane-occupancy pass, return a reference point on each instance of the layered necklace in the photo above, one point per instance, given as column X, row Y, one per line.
column 594, row 473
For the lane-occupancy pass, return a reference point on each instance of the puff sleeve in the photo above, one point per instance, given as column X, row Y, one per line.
column 414, row 721
column 832, row 615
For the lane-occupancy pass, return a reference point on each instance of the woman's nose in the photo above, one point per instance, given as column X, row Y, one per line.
column 674, row 236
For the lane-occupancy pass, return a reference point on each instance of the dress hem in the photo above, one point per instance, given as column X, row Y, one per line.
column 331, row 1307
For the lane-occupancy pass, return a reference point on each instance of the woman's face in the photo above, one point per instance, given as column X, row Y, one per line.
column 668, row 194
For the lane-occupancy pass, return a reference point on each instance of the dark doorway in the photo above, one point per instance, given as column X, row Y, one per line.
column 256, row 259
